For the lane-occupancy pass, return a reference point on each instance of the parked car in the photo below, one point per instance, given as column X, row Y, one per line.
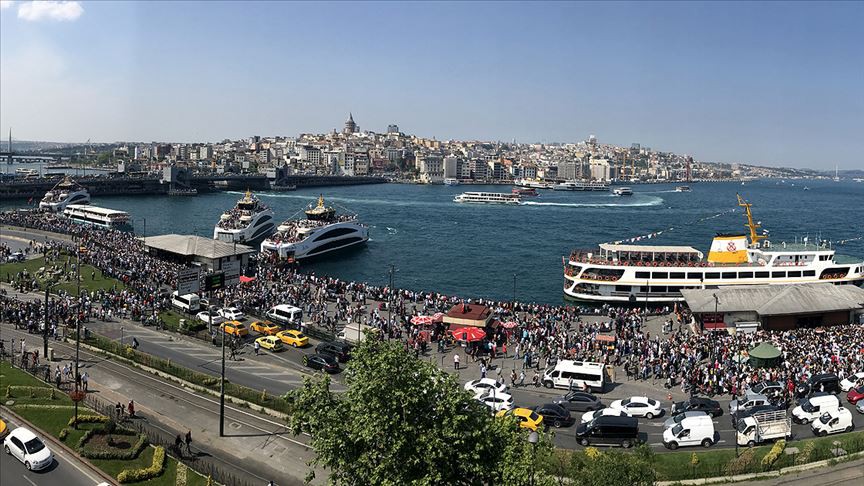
column 234, row 328
column 497, row 402
column 321, row 362
column 578, row 401
column 270, row 342
column 678, row 417
column 748, row 401
column 639, row 407
column 833, row 422
column 293, row 337
column 855, row 395
column 823, row 382
column 527, row 418
column 266, row 328
column 484, row 386
column 852, row 381
column 340, row 350
column 606, row 430
column 24, row 445
column 689, row 432
column 810, row 409
column 555, row 415
column 711, row 407
column 860, row 407
column 205, row 317
column 604, row 412
column 771, row 389
column 232, row 313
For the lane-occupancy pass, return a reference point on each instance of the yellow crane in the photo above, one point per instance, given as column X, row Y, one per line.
column 754, row 235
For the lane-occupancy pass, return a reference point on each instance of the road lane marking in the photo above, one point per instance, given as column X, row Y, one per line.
column 28, row 480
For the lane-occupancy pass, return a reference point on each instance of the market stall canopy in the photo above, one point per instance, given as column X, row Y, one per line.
column 765, row 355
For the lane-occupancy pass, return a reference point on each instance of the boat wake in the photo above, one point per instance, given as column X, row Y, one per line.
column 349, row 200
column 654, row 201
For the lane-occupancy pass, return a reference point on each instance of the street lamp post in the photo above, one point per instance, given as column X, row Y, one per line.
column 222, row 391
column 533, row 438
column 121, row 337
column 78, row 330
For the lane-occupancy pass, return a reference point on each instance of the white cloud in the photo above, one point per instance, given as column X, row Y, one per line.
column 4, row 4
column 50, row 10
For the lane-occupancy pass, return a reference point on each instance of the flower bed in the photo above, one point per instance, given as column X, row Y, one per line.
column 155, row 469
column 111, row 442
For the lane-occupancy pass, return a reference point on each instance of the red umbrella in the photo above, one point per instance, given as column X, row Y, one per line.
column 509, row 324
column 245, row 279
column 421, row 320
column 468, row 334
column 438, row 317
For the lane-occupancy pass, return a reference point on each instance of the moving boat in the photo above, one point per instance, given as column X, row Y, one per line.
column 450, row 181
column 96, row 216
column 322, row 231
column 682, row 189
column 27, row 172
column 66, row 192
column 524, row 191
column 581, row 186
column 488, row 198
column 622, row 191
column 657, row 274
column 249, row 221
column 535, row 183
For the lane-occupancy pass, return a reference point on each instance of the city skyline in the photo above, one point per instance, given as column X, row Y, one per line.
column 764, row 84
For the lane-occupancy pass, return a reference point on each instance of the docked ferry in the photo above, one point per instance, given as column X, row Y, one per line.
column 535, row 183
column 581, row 186
column 641, row 273
column 249, row 221
column 322, row 231
column 99, row 217
column 66, row 192
column 488, row 198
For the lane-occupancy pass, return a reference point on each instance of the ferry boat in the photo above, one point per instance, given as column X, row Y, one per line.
column 535, row 183
column 581, row 186
column 622, row 191
column 488, row 198
column 64, row 193
column 182, row 191
column 249, row 221
column 322, row 231
column 656, row 274
column 96, row 216
column 26, row 172
column 682, row 189
column 451, row 181
column 524, row 191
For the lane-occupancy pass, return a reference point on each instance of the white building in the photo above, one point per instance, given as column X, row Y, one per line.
column 451, row 167
column 431, row 169
column 600, row 169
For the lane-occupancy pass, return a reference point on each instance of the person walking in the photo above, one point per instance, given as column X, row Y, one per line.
column 131, row 408
column 257, row 347
column 85, row 381
column 189, row 442
column 522, row 378
column 456, row 361
column 119, row 410
column 482, row 371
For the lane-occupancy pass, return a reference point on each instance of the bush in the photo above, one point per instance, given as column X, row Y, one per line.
column 88, row 419
column 63, row 433
column 112, row 454
column 741, row 464
column 23, row 391
column 155, row 469
column 806, row 452
column 769, row 459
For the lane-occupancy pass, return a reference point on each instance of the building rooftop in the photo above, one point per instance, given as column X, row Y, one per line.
column 195, row 245
column 772, row 300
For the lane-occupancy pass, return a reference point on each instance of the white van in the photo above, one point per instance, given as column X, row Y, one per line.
column 810, row 409
column 286, row 314
column 832, row 422
column 189, row 302
column 593, row 375
column 689, row 432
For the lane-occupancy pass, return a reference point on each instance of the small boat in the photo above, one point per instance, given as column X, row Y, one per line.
column 182, row 191
column 450, row 181
column 682, row 189
column 281, row 188
column 525, row 191
column 26, row 172
column 622, row 191
column 806, row 188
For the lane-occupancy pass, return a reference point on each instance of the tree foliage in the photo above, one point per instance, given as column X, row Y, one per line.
column 609, row 468
column 404, row 421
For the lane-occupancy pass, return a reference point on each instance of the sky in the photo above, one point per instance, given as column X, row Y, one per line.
column 764, row 83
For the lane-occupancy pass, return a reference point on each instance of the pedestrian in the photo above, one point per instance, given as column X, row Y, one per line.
column 482, row 371
column 257, row 347
column 178, row 445
column 569, row 383
column 189, row 441
column 85, row 380
column 456, row 361
column 118, row 409
column 57, row 377
column 513, row 378
column 522, row 378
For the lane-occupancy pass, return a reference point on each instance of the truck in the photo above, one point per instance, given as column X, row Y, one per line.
column 764, row 426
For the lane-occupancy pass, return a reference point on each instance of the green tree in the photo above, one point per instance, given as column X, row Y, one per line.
column 404, row 421
column 613, row 468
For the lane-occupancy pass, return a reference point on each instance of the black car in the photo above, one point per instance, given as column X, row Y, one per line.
column 825, row 382
column 771, row 389
column 339, row 350
column 577, row 401
column 609, row 430
column 740, row 414
column 324, row 362
column 698, row 404
column 555, row 415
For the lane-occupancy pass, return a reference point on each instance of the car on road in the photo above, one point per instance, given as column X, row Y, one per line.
column 555, row 415
column 232, row 313
column 265, row 328
column 323, row 362
column 604, row 412
column 711, row 407
column 607, row 430
column 340, row 350
column 748, row 401
column 639, row 407
column 860, row 407
column 484, row 386
column 270, row 342
column 823, row 382
column 855, row 395
column 18, row 256
column 833, row 422
column 852, row 381
column 205, row 317
column 579, row 401
column 527, row 418
column 293, row 337
column 771, row 389
column 678, row 417
column 24, row 445
column 234, row 328
column 497, row 402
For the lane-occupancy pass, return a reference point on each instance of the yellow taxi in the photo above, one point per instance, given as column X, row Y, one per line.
column 293, row 338
column 272, row 343
column 266, row 328
column 234, row 328
column 527, row 418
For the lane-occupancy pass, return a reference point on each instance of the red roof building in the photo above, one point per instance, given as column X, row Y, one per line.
column 468, row 315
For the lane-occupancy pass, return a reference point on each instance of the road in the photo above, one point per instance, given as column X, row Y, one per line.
column 67, row 470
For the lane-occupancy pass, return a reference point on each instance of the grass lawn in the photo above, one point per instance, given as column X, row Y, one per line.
column 91, row 277
column 172, row 321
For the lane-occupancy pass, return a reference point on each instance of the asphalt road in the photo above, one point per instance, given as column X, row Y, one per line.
column 67, row 470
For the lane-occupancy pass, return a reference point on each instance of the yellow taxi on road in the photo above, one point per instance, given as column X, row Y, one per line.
column 266, row 328
column 527, row 418
column 293, row 338
column 234, row 328
column 272, row 343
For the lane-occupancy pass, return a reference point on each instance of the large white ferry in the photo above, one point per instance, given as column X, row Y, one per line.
column 66, row 192
column 96, row 216
column 321, row 232
column 535, row 183
column 581, row 186
column 488, row 198
column 641, row 273
column 249, row 221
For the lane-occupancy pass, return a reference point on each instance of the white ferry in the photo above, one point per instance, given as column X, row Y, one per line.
column 640, row 273
column 96, row 216
column 322, row 231
column 450, row 181
column 66, row 192
column 488, row 198
column 581, row 186
column 622, row 191
column 249, row 221
column 535, row 183
column 682, row 189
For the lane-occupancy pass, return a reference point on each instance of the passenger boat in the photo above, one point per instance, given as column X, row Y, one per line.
column 535, row 183
column 581, row 186
column 181, row 191
column 488, row 198
column 323, row 231
column 248, row 222
column 682, row 189
column 26, row 172
column 641, row 273
column 96, row 216
column 524, row 191
column 451, row 181
column 64, row 193
column 622, row 191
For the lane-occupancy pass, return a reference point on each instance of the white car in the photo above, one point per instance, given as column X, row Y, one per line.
column 204, row 317
column 639, row 407
column 851, row 381
column 232, row 314
column 497, row 402
column 485, row 385
column 860, row 406
column 591, row 415
column 22, row 444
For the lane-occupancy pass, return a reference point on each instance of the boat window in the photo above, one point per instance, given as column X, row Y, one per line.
column 794, row 274
column 622, row 288
column 643, row 275
column 778, row 274
column 660, row 275
column 695, row 275
column 676, row 275
column 761, row 274
column 729, row 275
column 712, row 275
column 745, row 275
column 809, row 273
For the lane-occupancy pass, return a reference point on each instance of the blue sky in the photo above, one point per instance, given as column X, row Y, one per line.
column 767, row 83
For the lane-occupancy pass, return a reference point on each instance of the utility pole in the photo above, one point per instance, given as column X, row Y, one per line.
column 221, row 388
column 390, row 300
column 78, row 330
column 45, row 329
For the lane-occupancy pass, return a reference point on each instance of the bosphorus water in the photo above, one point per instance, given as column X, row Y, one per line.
column 475, row 250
